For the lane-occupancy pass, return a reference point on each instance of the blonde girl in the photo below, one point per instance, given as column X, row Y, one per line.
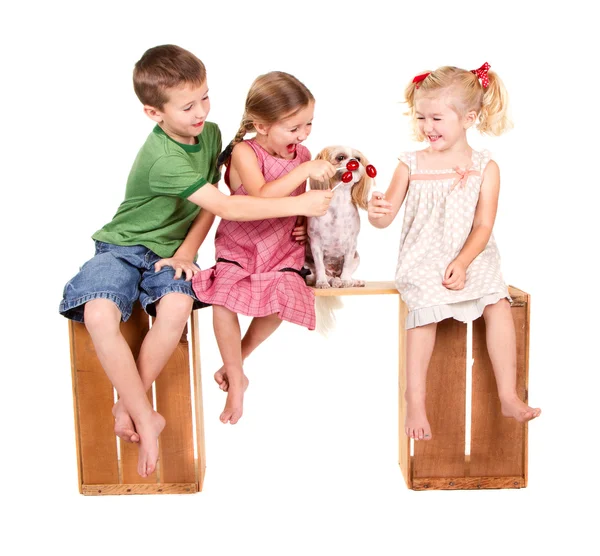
column 449, row 264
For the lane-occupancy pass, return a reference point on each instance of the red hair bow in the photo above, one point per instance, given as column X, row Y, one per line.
column 482, row 73
column 420, row 78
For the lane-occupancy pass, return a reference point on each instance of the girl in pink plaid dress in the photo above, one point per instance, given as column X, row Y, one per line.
column 259, row 264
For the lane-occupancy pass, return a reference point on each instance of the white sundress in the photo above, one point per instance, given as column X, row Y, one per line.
column 438, row 217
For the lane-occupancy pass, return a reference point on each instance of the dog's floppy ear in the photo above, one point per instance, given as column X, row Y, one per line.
column 314, row 184
column 360, row 190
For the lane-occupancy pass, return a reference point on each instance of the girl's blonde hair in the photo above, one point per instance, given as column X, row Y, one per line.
column 272, row 97
column 466, row 93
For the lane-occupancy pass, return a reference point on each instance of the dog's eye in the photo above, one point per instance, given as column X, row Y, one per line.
column 357, row 158
column 340, row 157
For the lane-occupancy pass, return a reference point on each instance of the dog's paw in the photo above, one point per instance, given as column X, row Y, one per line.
column 336, row 282
column 322, row 284
column 353, row 283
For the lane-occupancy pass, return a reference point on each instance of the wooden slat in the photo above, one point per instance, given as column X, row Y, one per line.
column 371, row 288
column 497, row 443
column 157, row 488
column 404, row 460
column 94, row 399
column 75, row 404
column 199, row 408
column 174, row 403
column 444, row 454
column 134, row 331
column 467, row 483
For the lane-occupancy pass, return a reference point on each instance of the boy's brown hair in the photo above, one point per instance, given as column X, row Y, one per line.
column 164, row 67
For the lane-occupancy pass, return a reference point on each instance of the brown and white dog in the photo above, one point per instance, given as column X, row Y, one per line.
column 331, row 254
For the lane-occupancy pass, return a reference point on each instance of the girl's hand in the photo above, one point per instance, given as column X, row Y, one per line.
column 378, row 206
column 299, row 231
column 455, row 276
column 315, row 202
column 180, row 266
column 320, row 170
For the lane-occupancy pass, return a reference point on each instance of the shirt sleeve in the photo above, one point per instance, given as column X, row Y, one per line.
column 174, row 175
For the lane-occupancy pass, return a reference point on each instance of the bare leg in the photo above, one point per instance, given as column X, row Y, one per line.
column 259, row 330
column 229, row 340
column 172, row 313
column 102, row 319
column 419, row 347
column 501, row 345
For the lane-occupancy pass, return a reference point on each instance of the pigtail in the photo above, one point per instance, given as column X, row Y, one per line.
column 493, row 117
column 225, row 156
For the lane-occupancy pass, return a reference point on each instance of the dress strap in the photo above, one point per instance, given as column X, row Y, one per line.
column 484, row 158
column 410, row 159
column 259, row 152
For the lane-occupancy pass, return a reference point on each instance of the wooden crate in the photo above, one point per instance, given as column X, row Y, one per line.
column 104, row 468
column 495, row 455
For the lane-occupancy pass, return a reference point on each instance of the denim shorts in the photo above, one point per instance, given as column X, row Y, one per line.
column 122, row 274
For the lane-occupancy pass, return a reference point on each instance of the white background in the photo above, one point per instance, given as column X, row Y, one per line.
column 311, row 468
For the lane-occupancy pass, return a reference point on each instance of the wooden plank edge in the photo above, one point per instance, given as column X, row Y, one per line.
column 198, row 401
column 371, row 288
column 526, row 431
column 75, row 404
column 159, row 488
column 467, row 483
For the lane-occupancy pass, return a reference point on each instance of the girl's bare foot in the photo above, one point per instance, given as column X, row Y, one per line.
column 124, row 427
column 515, row 408
column 223, row 382
column 416, row 424
column 149, row 431
column 234, row 406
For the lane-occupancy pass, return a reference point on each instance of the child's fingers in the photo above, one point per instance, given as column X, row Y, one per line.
column 378, row 213
column 450, row 278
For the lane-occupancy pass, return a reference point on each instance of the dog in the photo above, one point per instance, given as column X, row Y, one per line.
column 331, row 255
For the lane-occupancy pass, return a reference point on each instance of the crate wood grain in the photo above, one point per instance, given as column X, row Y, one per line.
column 497, row 455
column 105, row 469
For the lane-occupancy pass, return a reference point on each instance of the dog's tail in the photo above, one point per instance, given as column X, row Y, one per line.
column 325, row 307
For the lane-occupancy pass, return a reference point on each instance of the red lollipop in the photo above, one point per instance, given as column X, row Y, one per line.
column 352, row 165
column 347, row 177
column 371, row 172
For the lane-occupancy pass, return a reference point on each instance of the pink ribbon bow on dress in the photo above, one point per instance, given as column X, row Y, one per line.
column 463, row 175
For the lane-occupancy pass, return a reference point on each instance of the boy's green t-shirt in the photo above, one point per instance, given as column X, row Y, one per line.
column 156, row 212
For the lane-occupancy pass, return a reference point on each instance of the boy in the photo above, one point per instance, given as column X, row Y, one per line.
column 154, row 237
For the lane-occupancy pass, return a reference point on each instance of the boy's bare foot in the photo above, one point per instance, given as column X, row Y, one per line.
column 223, row 382
column 416, row 424
column 234, row 406
column 149, row 431
column 124, row 427
column 515, row 408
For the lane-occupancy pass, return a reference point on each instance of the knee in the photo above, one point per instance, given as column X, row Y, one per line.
column 175, row 308
column 101, row 315
column 500, row 307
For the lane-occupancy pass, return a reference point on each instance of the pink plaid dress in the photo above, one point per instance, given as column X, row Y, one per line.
column 258, row 263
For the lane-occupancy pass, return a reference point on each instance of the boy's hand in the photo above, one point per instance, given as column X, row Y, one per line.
column 378, row 206
column 299, row 231
column 315, row 202
column 180, row 266
column 455, row 276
